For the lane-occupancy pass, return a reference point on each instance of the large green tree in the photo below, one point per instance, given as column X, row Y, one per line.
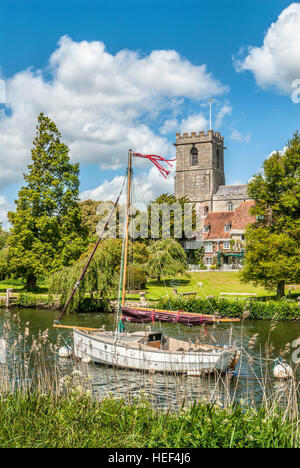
column 167, row 258
column 47, row 231
column 3, row 237
column 273, row 241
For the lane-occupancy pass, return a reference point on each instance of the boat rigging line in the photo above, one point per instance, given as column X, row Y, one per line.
column 56, row 322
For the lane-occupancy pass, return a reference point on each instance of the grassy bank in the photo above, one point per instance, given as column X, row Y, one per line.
column 76, row 421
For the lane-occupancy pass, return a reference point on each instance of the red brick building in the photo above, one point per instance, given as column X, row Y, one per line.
column 223, row 235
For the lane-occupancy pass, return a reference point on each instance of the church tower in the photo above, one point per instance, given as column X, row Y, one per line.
column 199, row 167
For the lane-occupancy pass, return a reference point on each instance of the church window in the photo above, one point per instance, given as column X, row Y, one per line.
column 194, row 156
column 218, row 158
column 229, row 206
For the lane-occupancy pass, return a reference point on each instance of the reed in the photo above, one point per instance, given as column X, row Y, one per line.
column 49, row 402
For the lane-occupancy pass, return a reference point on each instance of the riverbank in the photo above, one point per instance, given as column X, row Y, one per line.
column 76, row 421
column 253, row 309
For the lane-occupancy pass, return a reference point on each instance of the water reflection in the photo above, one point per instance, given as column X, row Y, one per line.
column 162, row 390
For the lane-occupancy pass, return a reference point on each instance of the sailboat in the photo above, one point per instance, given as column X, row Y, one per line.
column 148, row 350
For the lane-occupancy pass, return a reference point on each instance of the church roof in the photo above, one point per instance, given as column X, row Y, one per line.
column 232, row 191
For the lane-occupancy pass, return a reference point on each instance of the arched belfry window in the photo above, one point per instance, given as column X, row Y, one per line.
column 218, row 158
column 194, row 156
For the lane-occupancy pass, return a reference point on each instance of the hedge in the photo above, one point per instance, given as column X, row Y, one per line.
column 254, row 309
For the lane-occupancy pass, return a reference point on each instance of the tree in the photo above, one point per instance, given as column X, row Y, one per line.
column 3, row 237
column 273, row 241
column 3, row 254
column 167, row 258
column 47, row 231
column 173, row 208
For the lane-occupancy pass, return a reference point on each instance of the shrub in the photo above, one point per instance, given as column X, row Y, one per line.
column 256, row 310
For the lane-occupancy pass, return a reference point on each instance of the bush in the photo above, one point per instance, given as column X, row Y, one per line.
column 255, row 309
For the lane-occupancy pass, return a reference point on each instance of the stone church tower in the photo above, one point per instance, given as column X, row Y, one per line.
column 199, row 168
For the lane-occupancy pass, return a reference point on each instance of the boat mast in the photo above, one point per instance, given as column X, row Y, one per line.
column 125, row 259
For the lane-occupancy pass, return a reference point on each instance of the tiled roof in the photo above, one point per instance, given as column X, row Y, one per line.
column 217, row 221
column 232, row 191
column 238, row 219
column 242, row 216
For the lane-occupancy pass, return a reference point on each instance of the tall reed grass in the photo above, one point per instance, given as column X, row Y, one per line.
column 49, row 402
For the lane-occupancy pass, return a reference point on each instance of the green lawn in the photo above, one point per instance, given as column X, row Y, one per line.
column 213, row 284
column 18, row 286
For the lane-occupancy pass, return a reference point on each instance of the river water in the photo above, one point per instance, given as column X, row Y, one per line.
column 164, row 391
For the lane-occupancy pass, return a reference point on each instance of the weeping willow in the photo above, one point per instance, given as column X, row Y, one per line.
column 101, row 280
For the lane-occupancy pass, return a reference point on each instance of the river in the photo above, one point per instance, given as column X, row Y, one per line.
column 163, row 391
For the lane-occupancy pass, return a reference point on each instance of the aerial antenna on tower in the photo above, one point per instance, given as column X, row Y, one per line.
column 210, row 103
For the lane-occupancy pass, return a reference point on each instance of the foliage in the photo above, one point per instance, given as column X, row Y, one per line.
column 3, row 254
column 3, row 237
column 77, row 421
column 47, row 231
column 195, row 256
column 273, row 241
column 89, row 216
column 253, row 309
column 95, row 214
column 4, row 265
column 102, row 276
column 167, row 258
column 176, row 225
column 136, row 278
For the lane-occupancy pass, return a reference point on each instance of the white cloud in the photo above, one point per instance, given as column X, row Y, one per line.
column 223, row 112
column 194, row 123
column 238, row 136
column 5, row 206
column 103, row 104
column 147, row 186
column 169, row 126
column 277, row 62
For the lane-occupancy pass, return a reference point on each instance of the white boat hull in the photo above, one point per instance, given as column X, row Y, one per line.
column 104, row 349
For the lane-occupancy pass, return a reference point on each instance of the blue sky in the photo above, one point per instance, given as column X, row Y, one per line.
column 224, row 49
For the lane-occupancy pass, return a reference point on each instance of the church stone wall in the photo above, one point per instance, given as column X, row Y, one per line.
column 199, row 182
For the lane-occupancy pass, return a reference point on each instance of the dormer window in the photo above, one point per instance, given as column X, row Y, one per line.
column 194, row 156
column 227, row 227
column 229, row 206
column 206, row 228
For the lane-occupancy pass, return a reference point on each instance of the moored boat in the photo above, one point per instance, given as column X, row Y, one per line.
column 153, row 351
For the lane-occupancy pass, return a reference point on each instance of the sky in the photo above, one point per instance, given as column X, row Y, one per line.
column 115, row 75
